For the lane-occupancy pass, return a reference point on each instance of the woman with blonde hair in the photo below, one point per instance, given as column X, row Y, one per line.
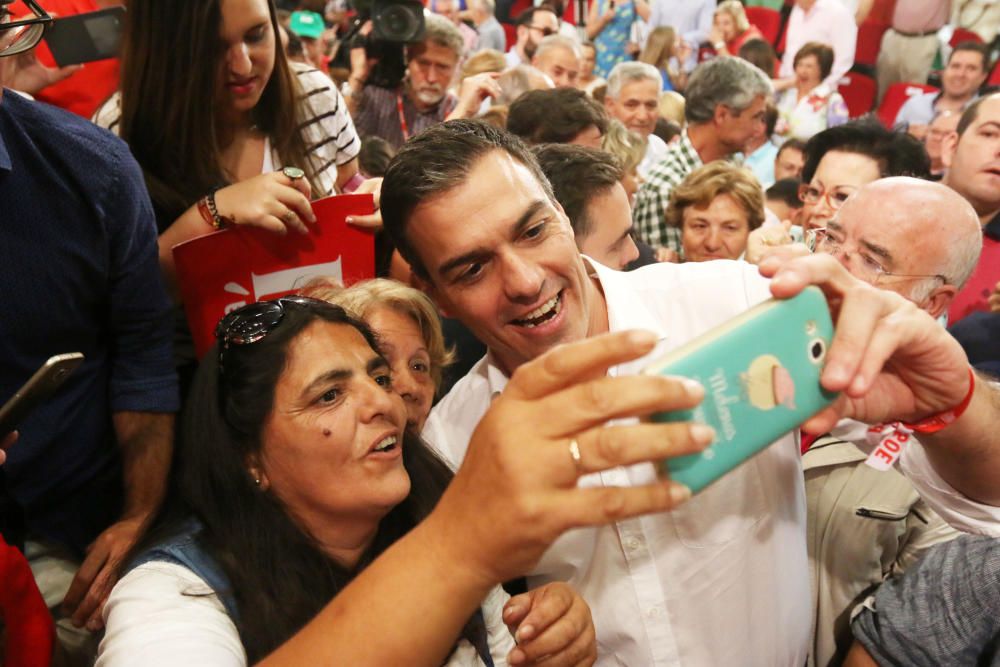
column 409, row 330
column 663, row 48
column 629, row 149
column 480, row 62
column 671, row 107
column 731, row 29
column 716, row 207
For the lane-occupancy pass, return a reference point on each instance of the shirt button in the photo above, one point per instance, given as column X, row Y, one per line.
column 653, row 612
column 632, row 544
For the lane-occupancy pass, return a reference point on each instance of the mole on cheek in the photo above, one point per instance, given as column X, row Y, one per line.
column 326, row 432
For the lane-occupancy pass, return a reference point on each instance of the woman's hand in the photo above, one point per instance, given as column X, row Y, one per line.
column 552, row 626
column 373, row 222
column 764, row 240
column 270, row 201
column 516, row 490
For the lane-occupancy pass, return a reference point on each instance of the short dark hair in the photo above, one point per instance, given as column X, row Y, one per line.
column 770, row 118
column 897, row 153
column 977, row 47
column 666, row 129
column 374, row 156
column 554, row 116
column 760, row 53
column 823, row 54
column 970, row 114
column 787, row 191
column 527, row 16
column 791, row 144
column 578, row 174
column 436, row 161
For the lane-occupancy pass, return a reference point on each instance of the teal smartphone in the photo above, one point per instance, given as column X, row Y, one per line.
column 761, row 374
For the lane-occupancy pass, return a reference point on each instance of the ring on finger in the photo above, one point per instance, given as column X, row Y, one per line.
column 574, row 453
column 293, row 173
column 288, row 216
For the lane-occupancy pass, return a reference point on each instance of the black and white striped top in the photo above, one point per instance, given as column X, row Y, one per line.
column 327, row 127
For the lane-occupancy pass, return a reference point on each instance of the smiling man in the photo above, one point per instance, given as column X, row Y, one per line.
column 724, row 578
column 633, row 97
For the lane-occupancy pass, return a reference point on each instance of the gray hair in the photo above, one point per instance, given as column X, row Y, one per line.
column 729, row 81
column 553, row 42
column 489, row 6
column 516, row 81
column 630, row 72
column 444, row 33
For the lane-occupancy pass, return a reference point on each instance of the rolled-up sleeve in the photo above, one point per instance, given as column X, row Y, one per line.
column 143, row 378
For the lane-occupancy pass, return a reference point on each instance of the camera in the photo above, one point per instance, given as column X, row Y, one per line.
column 395, row 23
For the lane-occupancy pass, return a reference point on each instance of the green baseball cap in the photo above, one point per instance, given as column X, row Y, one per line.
column 307, row 24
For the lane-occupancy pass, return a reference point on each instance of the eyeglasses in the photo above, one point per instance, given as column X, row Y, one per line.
column 870, row 269
column 835, row 197
column 253, row 322
column 545, row 31
column 20, row 36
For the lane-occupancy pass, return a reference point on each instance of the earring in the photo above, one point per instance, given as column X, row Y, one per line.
column 256, row 480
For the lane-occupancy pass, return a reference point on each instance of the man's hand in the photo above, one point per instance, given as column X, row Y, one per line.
column 473, row 91
column 31, row 76
column 552, row 625
column 891, row 360
column 667, row 255
column 99, row 573
column 7, row 441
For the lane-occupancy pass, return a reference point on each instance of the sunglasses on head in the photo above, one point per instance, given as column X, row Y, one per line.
column 253, row 322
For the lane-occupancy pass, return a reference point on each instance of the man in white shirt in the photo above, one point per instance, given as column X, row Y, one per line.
column 824, row 21
column 633, row 96
column 722, row 579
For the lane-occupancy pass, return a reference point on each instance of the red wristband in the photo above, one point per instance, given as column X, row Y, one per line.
column 206, row 214
column 935, row 423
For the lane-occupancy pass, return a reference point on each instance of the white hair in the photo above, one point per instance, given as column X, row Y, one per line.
column 630, row 72
column 553, row 42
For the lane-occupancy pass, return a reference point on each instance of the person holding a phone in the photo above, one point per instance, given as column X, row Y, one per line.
column 226, row 130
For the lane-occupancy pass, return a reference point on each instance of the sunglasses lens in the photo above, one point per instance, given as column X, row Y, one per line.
column 249, row 324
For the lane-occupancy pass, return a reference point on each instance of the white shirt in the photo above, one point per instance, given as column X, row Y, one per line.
column 722, row 580
column 656, row 150
column 163, row 615
column 828, row 22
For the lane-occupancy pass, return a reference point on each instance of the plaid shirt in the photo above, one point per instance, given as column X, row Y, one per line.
column 651, row 202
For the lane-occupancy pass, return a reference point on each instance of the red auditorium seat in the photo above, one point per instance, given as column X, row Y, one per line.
column 858, row 91
column 962, row 35
column 896, row 96
column 768, row 21
column 869, row 41
column 510, row 32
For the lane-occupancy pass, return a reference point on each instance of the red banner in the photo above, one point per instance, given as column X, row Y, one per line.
column 227, row 269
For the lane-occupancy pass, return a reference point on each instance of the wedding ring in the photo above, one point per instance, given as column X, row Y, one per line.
column 288, row 216
column 293, row 173
column 574, row 453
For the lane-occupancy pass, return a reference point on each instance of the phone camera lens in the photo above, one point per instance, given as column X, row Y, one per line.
column 817, row 350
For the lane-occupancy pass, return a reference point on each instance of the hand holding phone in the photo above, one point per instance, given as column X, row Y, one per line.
column 38, row 389
column 761, row 373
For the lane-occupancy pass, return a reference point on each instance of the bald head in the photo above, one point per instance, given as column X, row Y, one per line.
column 911, row 227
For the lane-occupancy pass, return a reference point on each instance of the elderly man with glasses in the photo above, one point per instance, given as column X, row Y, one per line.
column 79, row 272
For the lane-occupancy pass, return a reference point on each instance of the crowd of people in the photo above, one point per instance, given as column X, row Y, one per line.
column 449, row 462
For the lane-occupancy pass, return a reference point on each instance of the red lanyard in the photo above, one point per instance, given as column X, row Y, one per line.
column 402, row 119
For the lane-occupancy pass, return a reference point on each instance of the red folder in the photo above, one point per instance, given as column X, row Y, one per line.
column 230, row 268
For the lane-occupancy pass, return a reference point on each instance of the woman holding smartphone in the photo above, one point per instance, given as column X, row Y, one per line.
column 227, row 131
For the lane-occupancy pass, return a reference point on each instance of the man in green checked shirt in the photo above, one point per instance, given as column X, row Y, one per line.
column 726, row 97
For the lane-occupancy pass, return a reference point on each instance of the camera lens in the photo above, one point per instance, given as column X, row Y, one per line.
column 817, row 350
column 399, row 22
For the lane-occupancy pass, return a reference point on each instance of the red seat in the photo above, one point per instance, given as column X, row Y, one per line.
column 869, row 41
column 962, row 35
column 510, row 32
column 768, row 21
column 858, row 91
column 896, row 96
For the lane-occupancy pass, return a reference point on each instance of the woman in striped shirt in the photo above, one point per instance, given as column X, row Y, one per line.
column 227, row 131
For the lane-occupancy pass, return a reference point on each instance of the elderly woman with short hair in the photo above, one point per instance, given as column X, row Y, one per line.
column 716, row 207
column 810, row 106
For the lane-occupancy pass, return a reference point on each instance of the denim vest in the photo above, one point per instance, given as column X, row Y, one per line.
column 183, row 549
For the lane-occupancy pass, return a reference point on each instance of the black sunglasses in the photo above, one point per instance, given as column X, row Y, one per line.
column 254, row 321
column 29, row 33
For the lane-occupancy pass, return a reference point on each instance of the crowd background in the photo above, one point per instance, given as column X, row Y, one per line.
column 666, row 131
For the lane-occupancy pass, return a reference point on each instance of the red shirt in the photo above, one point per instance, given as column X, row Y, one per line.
column 974, row 295
column 88, row 88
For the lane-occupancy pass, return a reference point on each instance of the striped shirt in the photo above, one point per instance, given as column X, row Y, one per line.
column 378, row 114
column 651, row 202
column 326, row 127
